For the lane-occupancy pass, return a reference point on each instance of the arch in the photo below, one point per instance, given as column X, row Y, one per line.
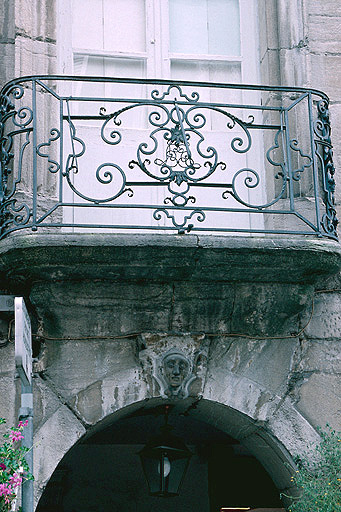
column 269, row 441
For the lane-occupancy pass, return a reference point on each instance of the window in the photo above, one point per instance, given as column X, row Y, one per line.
column 196, row 40
column 207, row 40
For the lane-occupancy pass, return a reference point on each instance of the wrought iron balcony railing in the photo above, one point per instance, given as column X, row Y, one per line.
column 103, row 153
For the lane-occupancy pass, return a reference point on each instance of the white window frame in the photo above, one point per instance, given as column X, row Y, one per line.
column 157, row 55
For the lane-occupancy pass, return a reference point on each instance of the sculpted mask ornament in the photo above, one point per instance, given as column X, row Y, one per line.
column 176, row 372
column 174, row 366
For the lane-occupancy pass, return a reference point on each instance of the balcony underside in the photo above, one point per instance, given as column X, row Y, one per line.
column 83, row 285
column 161, row 258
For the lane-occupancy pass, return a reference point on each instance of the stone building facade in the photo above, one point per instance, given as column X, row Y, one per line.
column 251, row 323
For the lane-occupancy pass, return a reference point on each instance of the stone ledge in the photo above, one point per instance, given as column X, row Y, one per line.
column 164, row 258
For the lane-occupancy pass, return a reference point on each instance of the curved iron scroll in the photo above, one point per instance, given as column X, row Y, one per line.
column 324, row 153
column 13, row 123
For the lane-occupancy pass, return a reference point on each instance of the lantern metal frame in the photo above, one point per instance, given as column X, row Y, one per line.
column 165, row 460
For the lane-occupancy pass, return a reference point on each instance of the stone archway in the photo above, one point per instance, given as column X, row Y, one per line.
column 244, row 404
column 219, row 424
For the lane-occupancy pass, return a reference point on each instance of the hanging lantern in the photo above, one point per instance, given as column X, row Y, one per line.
column 165, row 460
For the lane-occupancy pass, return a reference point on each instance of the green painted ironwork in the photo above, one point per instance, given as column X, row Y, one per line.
column 45, row 157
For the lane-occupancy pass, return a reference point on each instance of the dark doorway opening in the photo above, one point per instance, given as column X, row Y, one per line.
column 103, row 471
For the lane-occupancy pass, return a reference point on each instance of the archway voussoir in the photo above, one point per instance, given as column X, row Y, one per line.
column 55, row 438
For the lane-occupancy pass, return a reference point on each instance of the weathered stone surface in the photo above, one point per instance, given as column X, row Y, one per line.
column 266, row 362
column 116, row 308
column 324, row 7
column 7, row 360
column 9, row 387
column 88, row 403
column 7, row 40
column 182, row 298
column 268, row 36
column 166, row 258
column 293, row 66
column 34, row 57
column 240, row 393
column 58, row 434
column 320, row 395
column 270, row 67
column 292, row 429
column 125, row 388
column 325, row 322
column 271, row 14
column 9, row 395
column 290, row 24
column 324, row 74
column 36, row 19
column 263, row 42
column 74, row 366
column 101, row 398
column 6, row 61
column 322, row 40
column 127, row 308
column 333, row 283
column 322, row 356
column 259, row 309
column 45, row 402
column 7, row 26
column 203, row 307
column 335, row 113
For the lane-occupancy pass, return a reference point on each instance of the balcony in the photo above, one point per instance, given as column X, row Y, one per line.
column 151, row 206
column 91, row 154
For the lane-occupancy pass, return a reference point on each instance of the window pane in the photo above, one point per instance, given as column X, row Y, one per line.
column 86, row 65
column 227, row 72
column 204, row 27
column 124, row 25
column 87, row 24
column 188, row 26
column 223, row 27
column 108, row 67
column 125, row 68
column 117, row 25
column 90, row 65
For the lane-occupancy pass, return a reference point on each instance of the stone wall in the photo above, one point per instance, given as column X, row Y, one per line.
column 270, row 343
column 303, row 48
column 28, row 38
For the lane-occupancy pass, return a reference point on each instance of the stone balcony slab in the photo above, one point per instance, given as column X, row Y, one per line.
column 166, row 258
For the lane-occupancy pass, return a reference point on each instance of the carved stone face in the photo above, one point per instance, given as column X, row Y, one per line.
column 176, row 369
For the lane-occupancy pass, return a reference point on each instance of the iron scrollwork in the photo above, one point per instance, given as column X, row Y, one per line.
column 296, row 175
column 13, row 122
column 54, row 166
column 180, row 154
column 324, row 153
column 251, row 179
column 178, row 123
column 106, row 173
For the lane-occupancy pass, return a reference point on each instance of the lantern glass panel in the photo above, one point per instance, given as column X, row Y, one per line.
column 176, row 474
column 164, row 473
